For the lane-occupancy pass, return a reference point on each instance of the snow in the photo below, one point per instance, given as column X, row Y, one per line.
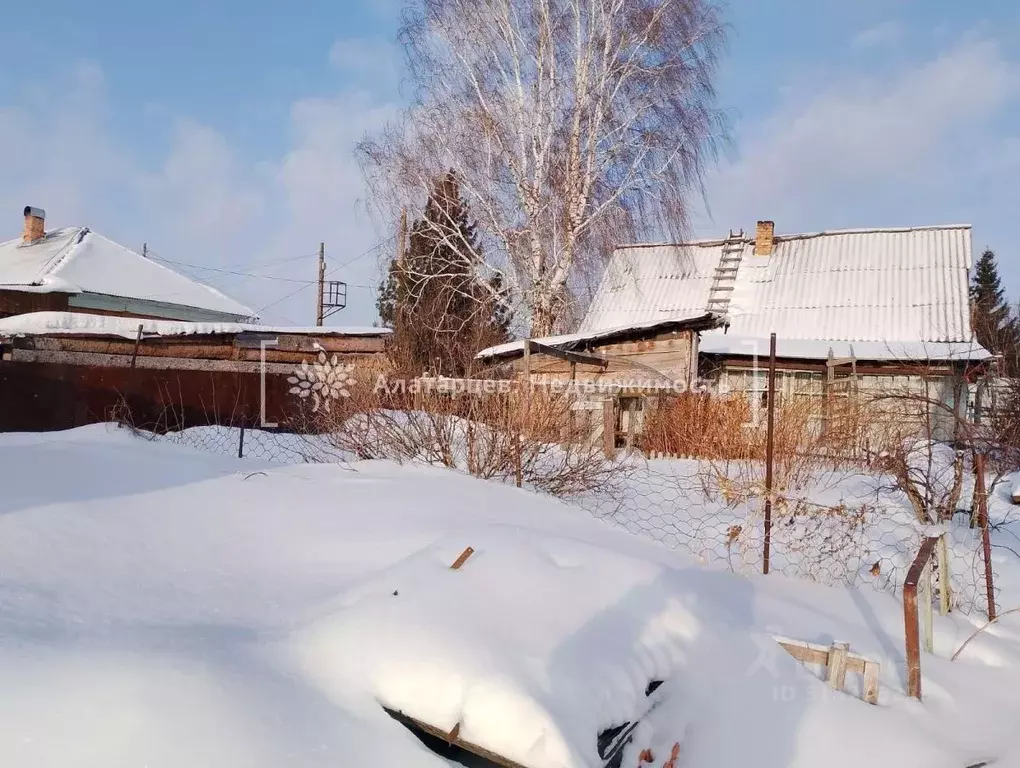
column 76, row 260
column 80, row 324
column 1015, row 490
column 575, row 340
column 160, row 606
column 717, row 343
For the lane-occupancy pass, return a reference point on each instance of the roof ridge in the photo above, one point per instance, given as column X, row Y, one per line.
column 65, row 254
column 714, row 241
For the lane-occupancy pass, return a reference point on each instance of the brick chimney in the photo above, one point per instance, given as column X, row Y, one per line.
column 35, row 224
column 764, row 238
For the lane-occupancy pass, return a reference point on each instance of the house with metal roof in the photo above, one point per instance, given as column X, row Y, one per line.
column 891, row 294
column 852, row 310
column 75, row 269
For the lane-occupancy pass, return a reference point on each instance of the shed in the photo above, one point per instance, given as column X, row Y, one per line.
column 63, row 369
column 614, row 370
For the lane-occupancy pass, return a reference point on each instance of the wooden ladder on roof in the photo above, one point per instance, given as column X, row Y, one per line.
column 725, row 277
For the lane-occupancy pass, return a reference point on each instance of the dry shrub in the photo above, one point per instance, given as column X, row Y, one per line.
column 698, row 426
column 120, row 413
column 530, row 437
column 725, row 428
column 813, row 440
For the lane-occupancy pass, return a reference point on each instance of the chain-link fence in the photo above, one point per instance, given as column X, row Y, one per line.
column 276, row 446
column 847, row 530
column 847, row 527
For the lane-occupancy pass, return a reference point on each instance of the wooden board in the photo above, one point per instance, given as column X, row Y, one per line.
column 838, row 660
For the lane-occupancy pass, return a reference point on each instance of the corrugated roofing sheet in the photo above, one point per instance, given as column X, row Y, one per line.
column 882, row 285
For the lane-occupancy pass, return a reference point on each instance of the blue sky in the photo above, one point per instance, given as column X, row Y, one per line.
column 220, row 133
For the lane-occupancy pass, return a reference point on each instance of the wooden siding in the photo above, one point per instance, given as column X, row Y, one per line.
column 14, row 302
column 60, row 382
column 23, row 302
column 283, row 348
column 669, row 355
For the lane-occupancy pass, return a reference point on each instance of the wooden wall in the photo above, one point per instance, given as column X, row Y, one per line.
column 669, row 354
column 21, row 302
column 51, row 383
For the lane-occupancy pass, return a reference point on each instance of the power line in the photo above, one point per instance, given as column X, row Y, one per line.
column 304, row 284
column 234, row 272
column 274, row 261
column 347, row 263
column 360, row 256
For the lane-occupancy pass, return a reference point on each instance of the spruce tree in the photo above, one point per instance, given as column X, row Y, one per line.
column 386, row 300
column 995, row 326
column 441, row 310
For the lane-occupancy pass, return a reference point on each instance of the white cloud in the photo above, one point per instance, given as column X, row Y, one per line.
column 371, row 61
column 202, row 192
column 833, row 153
column 203, row 202
column 884, row 33
column 58, row 152
column 321, row 195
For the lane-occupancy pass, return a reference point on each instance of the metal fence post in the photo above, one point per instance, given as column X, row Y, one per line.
column 769, row 450
column 919, row 571
column 240, row 444
column 981, row 500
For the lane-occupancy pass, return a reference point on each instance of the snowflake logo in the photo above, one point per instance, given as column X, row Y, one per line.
column 324, row 380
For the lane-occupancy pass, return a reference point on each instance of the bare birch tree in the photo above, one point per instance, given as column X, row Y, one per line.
column 570, row 125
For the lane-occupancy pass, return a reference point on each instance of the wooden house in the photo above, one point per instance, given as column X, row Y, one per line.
column 73, row 269
column 867, row 310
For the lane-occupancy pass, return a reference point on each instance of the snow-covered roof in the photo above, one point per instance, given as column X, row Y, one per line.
column 78, row 324
column 77, row 260
column 897, row 288
column 694, row 321
column 818, row 349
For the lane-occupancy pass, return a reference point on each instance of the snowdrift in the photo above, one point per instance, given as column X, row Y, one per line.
column 164, row 607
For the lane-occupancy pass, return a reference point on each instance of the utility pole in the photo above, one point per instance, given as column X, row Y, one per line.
column 322, row 284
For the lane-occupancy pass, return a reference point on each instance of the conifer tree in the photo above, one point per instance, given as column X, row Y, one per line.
column 995, row 325
column 442, row 311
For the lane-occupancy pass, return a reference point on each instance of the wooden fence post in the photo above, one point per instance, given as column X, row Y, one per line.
column 138, row 342
column 945, row 590
column 924, row 598
column 837, row 665
column 609, row 428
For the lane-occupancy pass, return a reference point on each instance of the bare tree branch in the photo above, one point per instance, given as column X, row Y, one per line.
column 569, row 124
